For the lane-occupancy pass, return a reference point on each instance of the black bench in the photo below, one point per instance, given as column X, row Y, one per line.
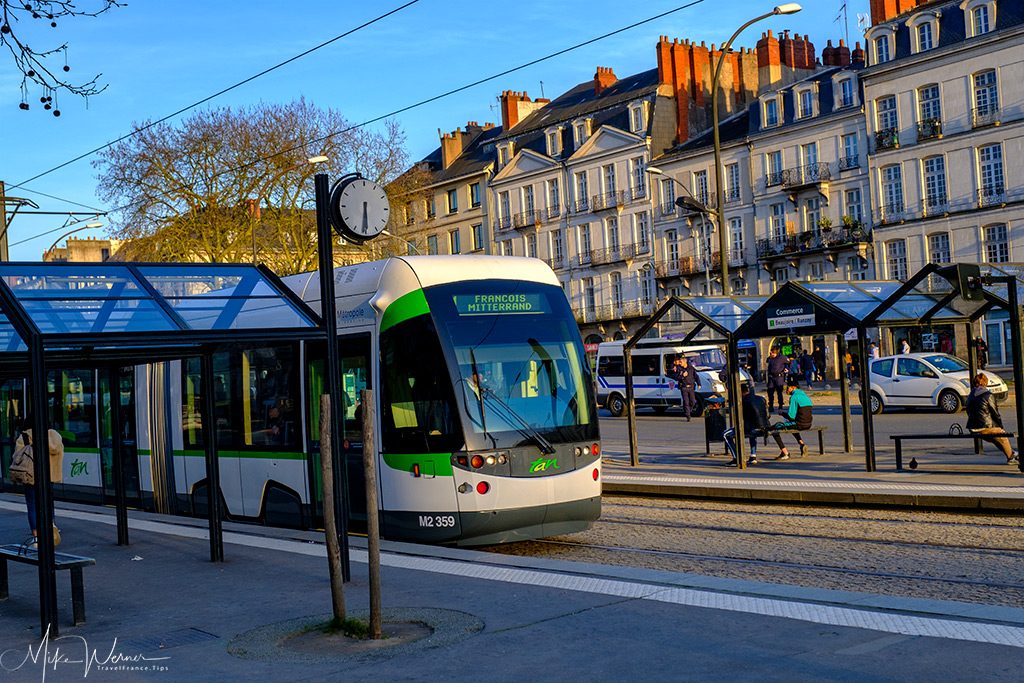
column 19, row 553
column 820, row 430
column 900, row 438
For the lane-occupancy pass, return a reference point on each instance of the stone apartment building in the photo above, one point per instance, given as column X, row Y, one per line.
column 83, row 250
column 944, row 107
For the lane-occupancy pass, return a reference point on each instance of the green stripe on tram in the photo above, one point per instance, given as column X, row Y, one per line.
column 438, row 464
column 404, row 307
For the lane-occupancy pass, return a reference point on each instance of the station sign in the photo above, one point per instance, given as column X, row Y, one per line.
column 786, row 317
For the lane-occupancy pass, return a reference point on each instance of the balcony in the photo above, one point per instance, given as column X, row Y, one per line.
column 616, row 311
column 849, row 162
column 737, row 257
column 773, row 178
column 805, row 176
column 667, row 210
column 602, row 257
column 526, row 219
column 987, row 115
column 887, row 138
column 555, row 262
column 608, row 200
column 638, row 193
column 936, row 205
column 994, row 195
column 892, row 213
column 502, row 224
column 554, row 212
column 583, row 258
column 824, row 239
column 581, row 205
column 732, row 195
column 929, row 129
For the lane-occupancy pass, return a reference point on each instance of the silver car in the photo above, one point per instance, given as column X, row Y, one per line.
column 925, row 380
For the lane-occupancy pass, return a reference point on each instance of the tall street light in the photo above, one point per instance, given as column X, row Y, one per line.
column 87, row 226
column 694, row 205
column 723, row 240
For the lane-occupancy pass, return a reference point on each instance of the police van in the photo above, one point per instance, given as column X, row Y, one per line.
column 652, row 386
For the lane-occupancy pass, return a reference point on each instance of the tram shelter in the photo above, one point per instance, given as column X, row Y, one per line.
column 936, row 294
column 105, row 316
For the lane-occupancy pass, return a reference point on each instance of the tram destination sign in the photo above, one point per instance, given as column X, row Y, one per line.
column 490, row 304
column 785, row 317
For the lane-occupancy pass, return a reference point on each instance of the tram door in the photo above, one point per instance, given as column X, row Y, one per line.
column 354, row 351
column 124, row 403
column 12, row 411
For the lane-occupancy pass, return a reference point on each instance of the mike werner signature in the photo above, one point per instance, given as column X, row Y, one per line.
column 74, row 651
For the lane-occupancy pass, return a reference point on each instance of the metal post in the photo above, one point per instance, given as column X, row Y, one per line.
column 209, row 422
column 1018, row 368
column 865, row 399
column 972, row 370
column 844, row 390
column 634, row 451
column 329, row 320
column 3, row 223
column 44, row 496
column 120, row 497
column 736, row 402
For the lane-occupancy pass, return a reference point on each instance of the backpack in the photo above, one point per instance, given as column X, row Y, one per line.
column 22, row 469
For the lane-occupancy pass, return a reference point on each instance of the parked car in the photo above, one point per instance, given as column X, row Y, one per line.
column 925, row 380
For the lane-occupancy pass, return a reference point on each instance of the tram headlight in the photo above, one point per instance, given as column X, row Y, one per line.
column 490, row 460
column 464, row 488
column 586, row 450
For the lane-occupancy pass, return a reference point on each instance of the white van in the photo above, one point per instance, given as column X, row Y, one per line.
column 652, row 387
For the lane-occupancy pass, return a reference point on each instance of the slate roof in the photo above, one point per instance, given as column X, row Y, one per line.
column 475, row 158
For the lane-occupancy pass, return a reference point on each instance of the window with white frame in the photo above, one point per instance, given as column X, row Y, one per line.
column 504, row 206
column 642, row 227
column 700, row 186
column 990, row 169
column 997, row 245
column 474, row 195
column 432, row 244
column 732, row 182
column 736, row 238
column 672, row 247
column 812, row 214
column 557, row 246
column 929, row 105
column 531, row 245
column 554, row 198
column 882, row 53
column 553, row 137
column 478, row 236
column 646, row 278
column 806, row 100
column 608, row 178
column 616, row 280
column 580, row 132
column 504, row 154
column 771, row 113
column 938, row 248
column 637, row 177
column 980, row 21
column 529, row 203
column 855, row 268
column 581, row 191
column 453, row 200
column 896, row 259
column 773, row 162
column 817, row 271
column 851, row 151
column 935, row 183
column 668, row 196
column 455, row 241
column 585, row 242
column 611, row 231
column 846, row 93
column 777, row 222
column 887, row 116
column 986, row 93
column 506, row 248
column 892, row 191
column 925, row 35
column 809, row 153
column 853, row 207
column 589, row 297
column 637, row 117
column 780, row 275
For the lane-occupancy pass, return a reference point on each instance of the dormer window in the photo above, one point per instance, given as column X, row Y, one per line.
column 846, row 98
column 638, row 117
column 553, row 137
column 980, row 16
column 580, row 132
column 772, row 113
column 925, row 38
column 924, row 31
column 805, row 100
column 882, row 53
column 504, row 154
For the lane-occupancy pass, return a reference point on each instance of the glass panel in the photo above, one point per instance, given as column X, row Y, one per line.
column 72, row 404
column 98, row 315
column 215, row 313
column 71, row 282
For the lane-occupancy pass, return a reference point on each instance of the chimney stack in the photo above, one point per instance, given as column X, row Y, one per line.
column 858, row 54
column 516, row 106
column 604, row 78
column 451, row 147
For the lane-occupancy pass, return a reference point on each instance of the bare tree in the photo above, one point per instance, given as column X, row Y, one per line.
column 21, row 17
column 235, row 185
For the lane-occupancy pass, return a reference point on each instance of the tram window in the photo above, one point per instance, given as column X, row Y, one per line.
column 417, row 403
column 355, row 376
column 269, row 397
column 192, row 401
column 72, row 404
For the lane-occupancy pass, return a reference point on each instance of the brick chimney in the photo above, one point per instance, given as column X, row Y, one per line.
column 451, row 146
column 769, row 61
column 604, row 78
column 842, row 54
column 858, row 53
column 516, row 106
column 884, row 10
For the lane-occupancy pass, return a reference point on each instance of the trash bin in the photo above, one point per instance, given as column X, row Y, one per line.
column 714, row 421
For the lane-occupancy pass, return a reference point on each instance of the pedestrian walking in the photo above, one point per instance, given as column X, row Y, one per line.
column 775, row 376
column 687, row 380
column 755, row 424
column 848, row 359
column 801, row 416
column 808, row 367
column 874, row 351
column 904, row 346
column 982, row 348
column 983, row 417
column 819, row 362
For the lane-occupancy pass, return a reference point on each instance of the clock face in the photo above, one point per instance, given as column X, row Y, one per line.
column 361, row 209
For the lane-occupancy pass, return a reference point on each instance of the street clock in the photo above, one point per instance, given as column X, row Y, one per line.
column 359, row 208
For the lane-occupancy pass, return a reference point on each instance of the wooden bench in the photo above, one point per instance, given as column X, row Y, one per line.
column 27, row 555
column 900, row 438
column 815, row 428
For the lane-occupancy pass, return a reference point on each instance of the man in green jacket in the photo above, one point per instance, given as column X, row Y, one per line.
column 800, row 417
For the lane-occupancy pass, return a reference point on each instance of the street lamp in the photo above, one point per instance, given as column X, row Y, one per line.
column 692, row 204
column 408, row 243
column 87, row 226
column 723, row 241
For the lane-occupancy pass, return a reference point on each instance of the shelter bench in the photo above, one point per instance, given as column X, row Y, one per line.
column 900, row 438
column 19, row 553
column 814, row 428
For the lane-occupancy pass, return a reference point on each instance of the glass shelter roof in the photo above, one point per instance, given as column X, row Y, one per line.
column 125, row 304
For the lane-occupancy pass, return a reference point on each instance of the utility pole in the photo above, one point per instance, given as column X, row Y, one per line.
column 3, row 223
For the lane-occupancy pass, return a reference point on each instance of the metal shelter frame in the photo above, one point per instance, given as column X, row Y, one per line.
column 834, row 307
column 105, row 316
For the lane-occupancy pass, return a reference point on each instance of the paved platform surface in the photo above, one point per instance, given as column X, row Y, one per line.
column 522, row 618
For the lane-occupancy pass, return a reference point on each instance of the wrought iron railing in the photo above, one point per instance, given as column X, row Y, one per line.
column 804, row 175
column 812, row 240
column 773, row 178
column 608, row 200
column 993, row 195
column 936, row 204
column 525, row 219
column 892, row 213
column 502, row 223
column 600, row 257
column 987, row 115
column 848, row 162
column 554, row 211
column 638, row 193
column 929, row 129
column 887, row 138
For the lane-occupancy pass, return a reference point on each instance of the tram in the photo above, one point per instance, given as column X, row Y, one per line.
column 485, row 411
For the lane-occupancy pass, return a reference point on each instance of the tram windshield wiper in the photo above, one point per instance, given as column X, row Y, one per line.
column 524, row 428
column 479, row 391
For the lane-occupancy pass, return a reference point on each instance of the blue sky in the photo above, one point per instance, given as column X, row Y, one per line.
column 157, row 57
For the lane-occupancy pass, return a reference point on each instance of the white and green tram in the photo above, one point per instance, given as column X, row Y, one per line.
column 486, row 418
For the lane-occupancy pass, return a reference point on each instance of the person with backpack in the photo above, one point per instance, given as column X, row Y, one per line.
column 755, row 424
column 22, row 471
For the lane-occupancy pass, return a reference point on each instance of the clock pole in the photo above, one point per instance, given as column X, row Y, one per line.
column 329, row 320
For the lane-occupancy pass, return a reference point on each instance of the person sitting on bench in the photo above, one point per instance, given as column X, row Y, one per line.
column 800, row 417
column 983, row 417
column 755, row 423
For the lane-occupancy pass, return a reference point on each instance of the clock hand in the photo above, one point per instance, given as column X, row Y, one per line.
column 366, row 217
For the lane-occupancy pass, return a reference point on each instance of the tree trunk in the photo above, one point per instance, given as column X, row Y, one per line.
column 372, row 519
column 330, row 524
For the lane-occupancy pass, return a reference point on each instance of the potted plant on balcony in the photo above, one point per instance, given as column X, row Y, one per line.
column 854, row 226
column 825, row 223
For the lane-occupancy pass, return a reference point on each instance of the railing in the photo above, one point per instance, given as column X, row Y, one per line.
column 667, row 208
column 600, row 257
column 929, row 129
column 554, row 212
column 991, row 196
column 582, row 205
column 732, row 194
column 525, row 219
column 892, row 213
column 846, row 163
column 812, row 240
column 774, row 178
column 583, row 258
column 887, row 138
column 987, row 115
column 638, row 193
column 503, row 223
column 615, row 311
column 737, row 256
column 555, row 262
column 806, row 175
column 608, row 200
column 936, row 204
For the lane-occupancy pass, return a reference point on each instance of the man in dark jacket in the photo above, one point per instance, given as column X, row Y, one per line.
column 775, row 376
column 983, row 417
column 686, row 378
column 819, row 363
column 755, row 423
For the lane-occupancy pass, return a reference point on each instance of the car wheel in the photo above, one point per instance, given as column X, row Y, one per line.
column 616, row 405
column 876, row 404
column 949, row 402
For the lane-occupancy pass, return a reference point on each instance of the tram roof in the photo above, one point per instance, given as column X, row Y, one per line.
column 113, row 309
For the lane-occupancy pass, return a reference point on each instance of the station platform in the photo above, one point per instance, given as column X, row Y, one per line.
column 159, row 610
